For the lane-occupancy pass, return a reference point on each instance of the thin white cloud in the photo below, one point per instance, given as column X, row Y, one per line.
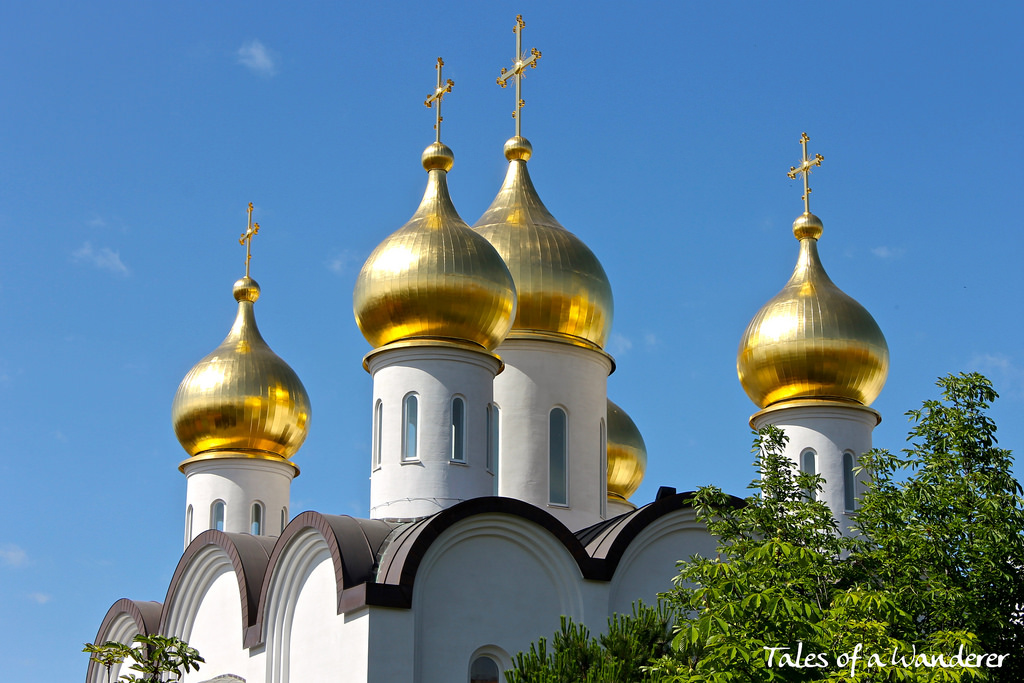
column 40, row 598
column 618, row 344
column 255, row 56
column 342, row 262
column 651, row 340
column 12, row 556
column 885, row 252
column 103, row 258
column 96, row 222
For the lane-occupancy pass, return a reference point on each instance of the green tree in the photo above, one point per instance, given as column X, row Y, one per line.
column 938, row 569
column 943, row 525
column 157, row 658
column 617, row 656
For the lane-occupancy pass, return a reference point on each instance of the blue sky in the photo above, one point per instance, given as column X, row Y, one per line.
column 133, row 134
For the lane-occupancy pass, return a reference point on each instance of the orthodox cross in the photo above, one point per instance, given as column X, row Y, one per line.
column 438, row 94
column 805, row 169
column 518, row 66
column 246, row 239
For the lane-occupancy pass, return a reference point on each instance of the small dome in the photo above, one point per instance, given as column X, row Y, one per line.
column 435, row 278
column 242, row 398
column 812, row 340
column 627, row 454
column 562, row 288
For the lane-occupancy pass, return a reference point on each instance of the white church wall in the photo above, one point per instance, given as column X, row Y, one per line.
column 206, row 612
column 390, row 646
column 404, row 489
column 649, row 563
column 306, row 639
column 490, row 580
column 238, row 482
column 539, row 376
column 828, row 430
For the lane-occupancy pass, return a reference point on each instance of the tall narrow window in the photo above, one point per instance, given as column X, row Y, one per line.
column 410, row 422
column 458, row 429
column 558, row 449
column 188, row 525
column 602, row 475
column 217, row 516
column 807, row 466
column 256, row 522
column 849, row 484
column 284, row 519
column 483, row 670
column 493, row 419
column 378, row 431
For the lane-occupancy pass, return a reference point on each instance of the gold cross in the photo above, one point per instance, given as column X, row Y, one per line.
column 518, row 66
column 805, row 169
column 246, row 239
column 439, row 93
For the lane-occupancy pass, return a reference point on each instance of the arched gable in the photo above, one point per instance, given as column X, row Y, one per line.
column 409, row 544
column 124, row 620
column 353, row 545
column 202, row 561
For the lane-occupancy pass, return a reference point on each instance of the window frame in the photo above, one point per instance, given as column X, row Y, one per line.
column 564, row 456
column 411, row 399
column 457, row 452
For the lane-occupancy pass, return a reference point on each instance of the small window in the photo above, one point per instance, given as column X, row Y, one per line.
column 378, row 431
column 558, row 448
column 410, row 420
column 849, row 483
column 808, row 466
column 493, row 419
column 458, row 429
column 483, row 670
column 188, row 525
column 284, row 519
column 217, row 516
column 256, row 523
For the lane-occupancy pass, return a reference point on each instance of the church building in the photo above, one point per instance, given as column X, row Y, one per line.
column 500, row 471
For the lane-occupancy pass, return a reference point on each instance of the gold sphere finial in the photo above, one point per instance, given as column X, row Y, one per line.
column 438, row 157
column 518, row 148
column 807, row 226
column 246, row 289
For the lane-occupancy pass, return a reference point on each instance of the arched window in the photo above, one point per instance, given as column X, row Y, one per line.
column 256, row 521
column 458, row 429
column 378, row 431
column 558, row 451
column 808, row 466
column 483, row 670
column 602, row 483
column 849, row 484
column 410, row 422
column 217, row 515
column 188, row 525
column 493, row 419
column 284, row 519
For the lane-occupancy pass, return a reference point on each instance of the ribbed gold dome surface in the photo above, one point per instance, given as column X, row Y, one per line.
column 812, row 340
column 562, row 287
column 434, row 277
column 627, row 454
column 242, row 398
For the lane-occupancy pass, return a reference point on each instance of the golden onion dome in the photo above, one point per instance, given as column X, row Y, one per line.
column 434, row 278
column 242, row 399
column 562, row 288
column 627, row 455
column 812, row 341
